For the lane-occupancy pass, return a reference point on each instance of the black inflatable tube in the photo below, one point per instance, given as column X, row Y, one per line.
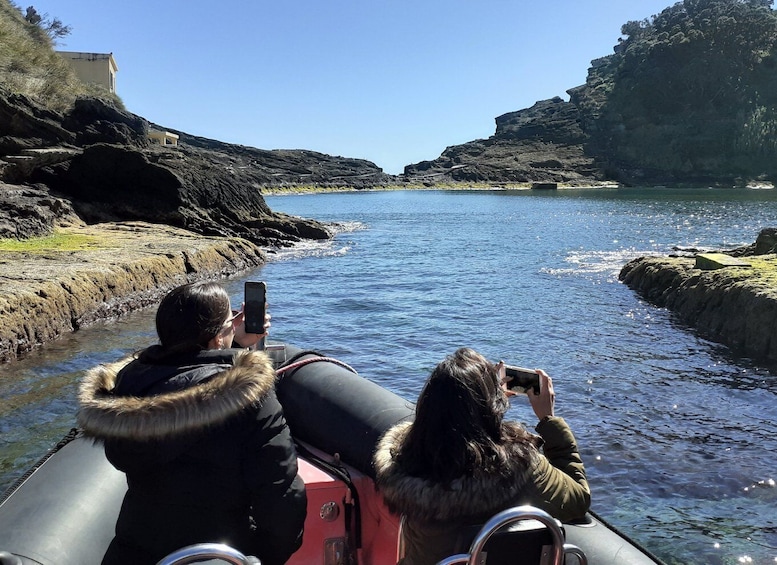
column 336, row 410
column 65, row 511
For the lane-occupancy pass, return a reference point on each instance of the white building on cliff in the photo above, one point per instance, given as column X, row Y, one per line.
column 96, row 68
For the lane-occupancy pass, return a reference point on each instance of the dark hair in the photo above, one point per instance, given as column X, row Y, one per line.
column 459, row 428
column 191, row 315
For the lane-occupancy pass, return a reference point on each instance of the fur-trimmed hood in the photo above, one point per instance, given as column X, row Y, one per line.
column 424, row 500
column 225, row 392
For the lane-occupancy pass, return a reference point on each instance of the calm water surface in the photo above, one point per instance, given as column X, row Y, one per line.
column 679, row 436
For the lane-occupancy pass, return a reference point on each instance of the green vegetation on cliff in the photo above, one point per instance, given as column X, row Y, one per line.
column 689, row 95
column 30, row 66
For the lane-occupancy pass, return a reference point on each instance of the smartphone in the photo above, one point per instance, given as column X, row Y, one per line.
column 253, row 310
column 520, row 380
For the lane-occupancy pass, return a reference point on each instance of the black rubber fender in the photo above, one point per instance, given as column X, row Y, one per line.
column 336, row 410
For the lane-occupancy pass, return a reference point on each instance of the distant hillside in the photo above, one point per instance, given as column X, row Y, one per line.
column 688, row 97
column 541, row 143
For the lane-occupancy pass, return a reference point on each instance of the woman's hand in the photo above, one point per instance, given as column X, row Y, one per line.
column 246, row 339
column 502, row 374
column 543, row 403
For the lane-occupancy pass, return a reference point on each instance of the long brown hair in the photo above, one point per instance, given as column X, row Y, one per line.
column 459, row 428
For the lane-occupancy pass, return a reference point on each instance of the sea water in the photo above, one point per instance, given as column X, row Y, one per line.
column 678, row 434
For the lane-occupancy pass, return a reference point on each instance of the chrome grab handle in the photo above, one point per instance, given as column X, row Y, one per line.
column 570, row 549
column 509, row 516
column 201, row 551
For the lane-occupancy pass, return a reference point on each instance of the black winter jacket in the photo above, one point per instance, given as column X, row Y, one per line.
column 206, row 450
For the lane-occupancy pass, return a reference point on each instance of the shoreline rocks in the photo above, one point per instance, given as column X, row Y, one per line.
column 123, row 267
column 735, row 306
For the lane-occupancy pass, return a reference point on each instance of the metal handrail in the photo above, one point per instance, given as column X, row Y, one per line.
column 200, row 551
column 510, row 516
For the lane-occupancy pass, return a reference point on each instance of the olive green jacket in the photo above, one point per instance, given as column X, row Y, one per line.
column 436, row 514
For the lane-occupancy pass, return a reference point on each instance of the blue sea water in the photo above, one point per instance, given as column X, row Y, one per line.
column 678, row 434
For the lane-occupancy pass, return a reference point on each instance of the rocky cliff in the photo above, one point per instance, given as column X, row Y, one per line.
column 96, row 159
column 687, row 98
column 541, row 143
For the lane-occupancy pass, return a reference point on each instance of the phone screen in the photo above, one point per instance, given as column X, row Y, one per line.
column 520, row 380
column 255, row 299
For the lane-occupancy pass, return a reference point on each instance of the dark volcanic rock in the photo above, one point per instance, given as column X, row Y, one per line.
column 98, row 156
column 278, row 167
column 97, row 121
column 541, row 143
column 31, row 211
column 552, row 121
column 24, row 124
column 765, row 243
column 182, row 187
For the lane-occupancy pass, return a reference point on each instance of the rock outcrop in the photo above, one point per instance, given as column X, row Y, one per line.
column 736, row 306
column 543, row 143
column 207, row 194
column 98, row 158
column 121, row 267
column 24, row 124
column 28, row 211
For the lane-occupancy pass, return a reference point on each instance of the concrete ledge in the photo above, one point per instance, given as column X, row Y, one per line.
column 163, row 137
column 712, row 261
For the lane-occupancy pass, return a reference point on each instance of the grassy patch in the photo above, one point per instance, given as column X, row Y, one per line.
column 30, row 66
column 56, row 242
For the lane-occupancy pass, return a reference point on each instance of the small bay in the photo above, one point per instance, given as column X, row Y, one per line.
column 679, row 436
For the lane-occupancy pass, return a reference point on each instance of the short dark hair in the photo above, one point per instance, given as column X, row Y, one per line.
column 459, row 428
column 191, row 315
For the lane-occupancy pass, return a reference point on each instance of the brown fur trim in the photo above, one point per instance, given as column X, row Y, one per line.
column 105, row 416
column 422, row 499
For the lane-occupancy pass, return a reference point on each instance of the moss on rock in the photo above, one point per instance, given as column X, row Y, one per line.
column 45, row 295
column 736, row 306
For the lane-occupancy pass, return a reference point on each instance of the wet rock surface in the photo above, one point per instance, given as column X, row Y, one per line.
column 736, row 306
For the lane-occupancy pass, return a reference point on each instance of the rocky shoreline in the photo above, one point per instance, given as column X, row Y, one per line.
column 734, row 305
column 120, row 267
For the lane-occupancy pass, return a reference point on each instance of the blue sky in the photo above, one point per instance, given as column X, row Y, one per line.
column 394, row 82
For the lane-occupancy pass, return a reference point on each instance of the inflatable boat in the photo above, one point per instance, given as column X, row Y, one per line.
column 63, row 510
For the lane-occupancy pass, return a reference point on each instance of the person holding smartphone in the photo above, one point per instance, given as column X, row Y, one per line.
column 459, row 462
column 197, row 428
